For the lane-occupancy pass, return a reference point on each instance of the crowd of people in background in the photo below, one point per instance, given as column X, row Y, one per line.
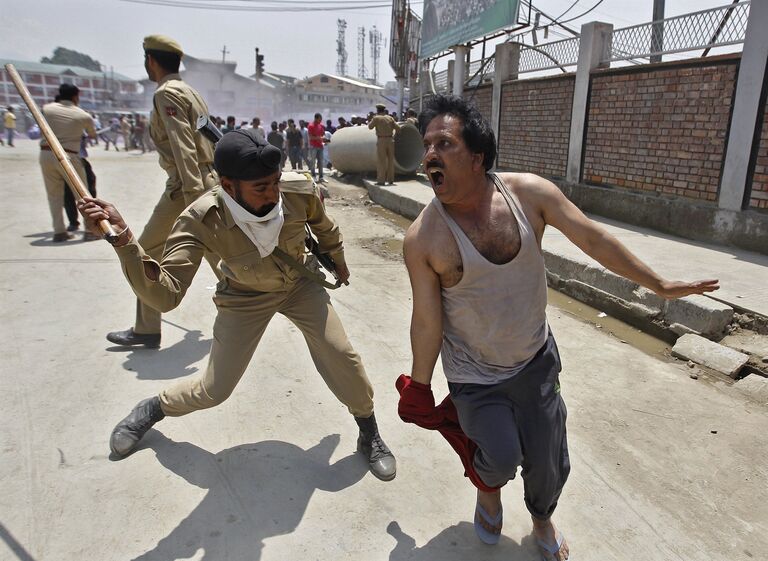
column 132, row 129
column 304, row 143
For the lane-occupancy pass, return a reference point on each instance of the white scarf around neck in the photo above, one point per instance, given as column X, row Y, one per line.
column 263, row 231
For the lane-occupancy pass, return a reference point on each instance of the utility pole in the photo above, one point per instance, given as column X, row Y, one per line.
column 657, row 33
column 224, row 53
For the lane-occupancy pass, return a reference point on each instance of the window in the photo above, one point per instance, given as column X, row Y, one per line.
column 323, row 79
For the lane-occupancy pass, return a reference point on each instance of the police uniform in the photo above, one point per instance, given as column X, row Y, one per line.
column 252, row 291
column 185, row 156
column 255, row 286
column 67, row 121
column 386, row 127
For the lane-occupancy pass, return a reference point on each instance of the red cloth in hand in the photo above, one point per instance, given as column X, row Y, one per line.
column 417, row 406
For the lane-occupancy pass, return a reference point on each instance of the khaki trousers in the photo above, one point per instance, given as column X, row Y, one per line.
column 385, row 159
column 54, row 179
column 241, row 321
column 153, row 237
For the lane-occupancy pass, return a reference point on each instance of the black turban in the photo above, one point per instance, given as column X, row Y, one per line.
column 240, row 154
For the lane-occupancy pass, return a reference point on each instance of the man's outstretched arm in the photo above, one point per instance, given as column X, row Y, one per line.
column 427, row 318
column 604, row 248
column 159, row 285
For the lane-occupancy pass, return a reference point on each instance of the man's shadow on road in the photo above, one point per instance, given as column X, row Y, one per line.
column 459, row 543
column 44, row 239
column 166, row 363
column 255, row 491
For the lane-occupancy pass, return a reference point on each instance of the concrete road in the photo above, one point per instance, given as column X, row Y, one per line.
column 665, row 467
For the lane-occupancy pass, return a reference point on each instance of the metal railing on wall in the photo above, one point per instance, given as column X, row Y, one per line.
column 706, row 29
column 441, row 81
column 717, row 27
column 557, row 54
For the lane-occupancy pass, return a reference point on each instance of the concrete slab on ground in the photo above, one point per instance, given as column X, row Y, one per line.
column 748, row 342
column 755, row 386
column 712, row 355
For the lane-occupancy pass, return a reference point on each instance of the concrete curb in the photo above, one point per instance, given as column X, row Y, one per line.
column 594, row 285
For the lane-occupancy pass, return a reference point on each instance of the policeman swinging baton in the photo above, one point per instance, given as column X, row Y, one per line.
column 213, row 134
column 74, row 181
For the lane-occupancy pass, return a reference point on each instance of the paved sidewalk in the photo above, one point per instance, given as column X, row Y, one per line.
column 743, row 275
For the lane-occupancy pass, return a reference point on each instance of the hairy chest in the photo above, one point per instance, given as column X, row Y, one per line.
column 495, row 235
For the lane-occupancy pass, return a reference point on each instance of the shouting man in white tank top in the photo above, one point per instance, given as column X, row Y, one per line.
column 479, row 297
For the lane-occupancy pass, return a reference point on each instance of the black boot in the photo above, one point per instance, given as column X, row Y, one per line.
column 381, row 461
column 129, row 338
column 128, row 432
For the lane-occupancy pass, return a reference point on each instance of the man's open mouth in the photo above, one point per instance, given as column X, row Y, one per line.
column 436, row 176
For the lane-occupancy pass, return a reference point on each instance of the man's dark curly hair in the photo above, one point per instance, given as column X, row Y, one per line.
column 476, row 132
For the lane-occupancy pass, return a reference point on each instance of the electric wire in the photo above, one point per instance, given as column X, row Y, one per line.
column 582, row 14
column 568, row 10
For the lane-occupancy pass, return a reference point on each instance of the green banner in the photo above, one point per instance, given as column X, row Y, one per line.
column 447, row 23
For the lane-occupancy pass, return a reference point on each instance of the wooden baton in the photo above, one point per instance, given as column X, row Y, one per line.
column 74, row 181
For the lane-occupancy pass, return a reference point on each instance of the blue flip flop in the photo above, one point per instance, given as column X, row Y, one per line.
column 487, row 529
column 548, row 551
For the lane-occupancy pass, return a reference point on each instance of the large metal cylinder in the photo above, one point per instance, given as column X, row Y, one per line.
column 353, row 149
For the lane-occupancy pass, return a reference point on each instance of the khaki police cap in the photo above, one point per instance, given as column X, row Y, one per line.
column 162, row 43
column 380, row 106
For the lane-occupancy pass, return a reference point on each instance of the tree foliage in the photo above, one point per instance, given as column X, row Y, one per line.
column 72, row 58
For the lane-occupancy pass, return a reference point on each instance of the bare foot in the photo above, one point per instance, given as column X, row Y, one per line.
column 548, row 533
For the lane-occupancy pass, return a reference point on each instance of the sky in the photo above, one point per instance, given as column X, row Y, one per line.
column 295, row 44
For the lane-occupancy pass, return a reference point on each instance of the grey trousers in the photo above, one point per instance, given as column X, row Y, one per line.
column 520, row 422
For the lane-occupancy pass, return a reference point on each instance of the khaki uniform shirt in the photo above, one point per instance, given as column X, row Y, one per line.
column 385, row 125
column 208, row 226
column 68, row 122
column 173, row 128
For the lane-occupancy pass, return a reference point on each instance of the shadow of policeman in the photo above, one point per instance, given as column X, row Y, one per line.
column 167, row 363
column 255, row 491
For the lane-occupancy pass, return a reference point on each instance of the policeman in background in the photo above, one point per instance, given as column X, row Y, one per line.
column 68, row 122
column 186, row 157
column 249, row 222
column 386, row 128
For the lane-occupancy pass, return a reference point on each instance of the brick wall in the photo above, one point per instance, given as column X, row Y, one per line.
column 481, row 98
column 661, row 130
column 759, row 194
column 535, row 125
